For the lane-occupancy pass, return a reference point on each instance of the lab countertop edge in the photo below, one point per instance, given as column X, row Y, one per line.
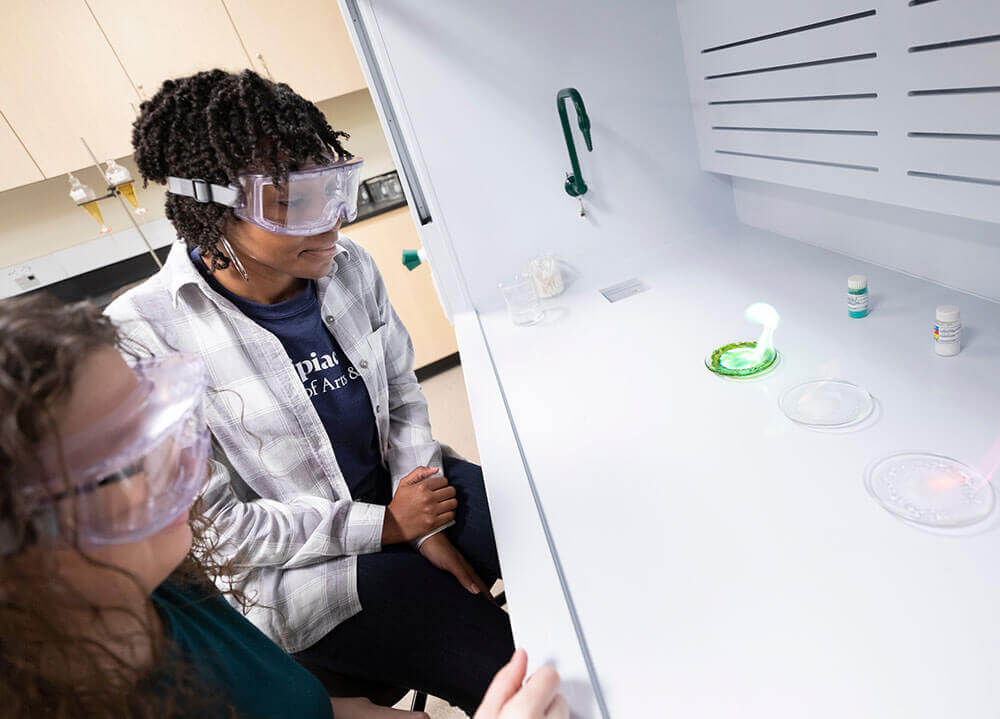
column 539, row 614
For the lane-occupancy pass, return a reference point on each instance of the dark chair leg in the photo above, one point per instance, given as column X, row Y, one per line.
column 419, row 702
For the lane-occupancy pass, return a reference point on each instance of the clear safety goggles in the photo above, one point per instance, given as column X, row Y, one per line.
column 310, row 202
column 141, row 466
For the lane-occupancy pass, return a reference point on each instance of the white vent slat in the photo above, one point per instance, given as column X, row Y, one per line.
column 848, row 149
column 721, row 23
column 977, row 113
column 815, row 177
column 973, row 66
column 842, row 78
column 938, row 21
column 859, row 114
column 848, row 38
column 970, row 157
column 949, row 91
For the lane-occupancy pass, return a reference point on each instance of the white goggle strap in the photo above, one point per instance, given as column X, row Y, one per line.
column 204, row 192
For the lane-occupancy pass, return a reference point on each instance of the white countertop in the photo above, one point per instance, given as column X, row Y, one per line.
column 724, row 561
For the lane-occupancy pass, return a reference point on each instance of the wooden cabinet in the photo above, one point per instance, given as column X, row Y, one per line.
column 411, row 293
column 16, row 165
column 75, row 68
column 60, row 81
column 304, row 44
column 157, row 40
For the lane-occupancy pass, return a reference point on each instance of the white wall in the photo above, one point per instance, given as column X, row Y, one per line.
column 477, row 84
column 953, row 251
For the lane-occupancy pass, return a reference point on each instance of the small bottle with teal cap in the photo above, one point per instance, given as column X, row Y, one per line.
column 857, row 296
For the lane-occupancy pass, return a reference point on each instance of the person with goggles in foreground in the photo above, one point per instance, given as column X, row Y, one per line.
column 107, row 604
column 375, row 545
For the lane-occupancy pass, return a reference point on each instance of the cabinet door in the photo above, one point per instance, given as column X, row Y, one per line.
column 16, row 165
column 156, row 41
column 304, row 44
column 411, row 293
column 61, row 81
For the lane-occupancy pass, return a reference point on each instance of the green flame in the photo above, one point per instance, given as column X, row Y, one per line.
column 745, row 359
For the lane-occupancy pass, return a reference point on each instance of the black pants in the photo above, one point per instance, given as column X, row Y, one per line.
column 418, row 627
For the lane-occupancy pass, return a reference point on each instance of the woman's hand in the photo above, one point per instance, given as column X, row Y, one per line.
column 422, row 503
column 440, row 552
column 538, row 698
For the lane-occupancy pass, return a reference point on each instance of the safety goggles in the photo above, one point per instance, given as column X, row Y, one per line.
column 310, row 202
column 141, row 466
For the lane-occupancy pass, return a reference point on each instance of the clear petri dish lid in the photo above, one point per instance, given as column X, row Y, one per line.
column 827, row 403
column 930, row 489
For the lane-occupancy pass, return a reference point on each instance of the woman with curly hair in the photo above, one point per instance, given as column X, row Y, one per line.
column 327, row 485
column 107, row 601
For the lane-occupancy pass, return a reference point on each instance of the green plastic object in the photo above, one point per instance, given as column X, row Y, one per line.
column 740, row 360
column 411, row 259
column 575, row 186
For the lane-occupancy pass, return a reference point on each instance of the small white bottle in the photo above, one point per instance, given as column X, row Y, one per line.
column 948, row 331
column 857, row 296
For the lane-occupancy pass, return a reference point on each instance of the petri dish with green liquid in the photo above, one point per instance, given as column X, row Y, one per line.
column 741, row 360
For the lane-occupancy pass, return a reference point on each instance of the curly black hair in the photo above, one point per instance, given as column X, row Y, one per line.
column 215, row 124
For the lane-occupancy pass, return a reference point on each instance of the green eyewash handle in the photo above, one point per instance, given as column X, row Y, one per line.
column 411, row 259
column 575, row 186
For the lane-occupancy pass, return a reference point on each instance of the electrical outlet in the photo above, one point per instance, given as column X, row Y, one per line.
column 25, row 277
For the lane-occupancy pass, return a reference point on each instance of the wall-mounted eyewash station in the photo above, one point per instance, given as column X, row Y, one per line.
column 741, row 437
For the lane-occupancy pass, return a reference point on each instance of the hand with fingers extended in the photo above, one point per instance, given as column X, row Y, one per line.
column 422, row 503
column 537, row 698
column 440, row 552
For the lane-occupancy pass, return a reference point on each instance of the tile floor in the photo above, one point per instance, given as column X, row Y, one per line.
column 451, row 418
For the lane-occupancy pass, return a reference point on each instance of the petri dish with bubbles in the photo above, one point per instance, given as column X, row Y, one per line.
column 827, row 403
column 930, row 489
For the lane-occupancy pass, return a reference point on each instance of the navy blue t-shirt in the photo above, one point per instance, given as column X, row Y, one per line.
column 337, row 390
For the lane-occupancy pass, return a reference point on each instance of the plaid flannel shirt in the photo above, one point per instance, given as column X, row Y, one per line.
column 276, row 496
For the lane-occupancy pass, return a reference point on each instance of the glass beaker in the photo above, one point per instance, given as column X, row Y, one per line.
column 522, row 300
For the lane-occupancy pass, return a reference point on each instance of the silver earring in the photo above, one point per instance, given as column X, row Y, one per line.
column 236, row 260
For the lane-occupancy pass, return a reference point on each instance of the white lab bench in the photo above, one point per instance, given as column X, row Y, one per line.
column 722, row 560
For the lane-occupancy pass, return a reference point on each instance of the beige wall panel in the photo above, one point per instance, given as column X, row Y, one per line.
column 355, row 114
column 16, row 167
column 303, row 43
column 411, row 293
column 61, row 80
column 158, row 40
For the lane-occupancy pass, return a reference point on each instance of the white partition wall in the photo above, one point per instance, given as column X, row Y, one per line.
column 469, row 91
column 474, row 86
column 885, row 100
column 953, row 251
